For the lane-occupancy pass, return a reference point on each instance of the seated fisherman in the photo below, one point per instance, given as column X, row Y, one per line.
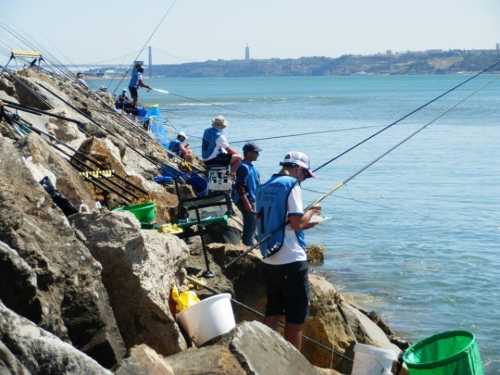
column 215, row 147
column 123, row 98
column 176, row 147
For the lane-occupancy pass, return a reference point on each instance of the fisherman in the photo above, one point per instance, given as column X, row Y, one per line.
column 247, row 180
column 80, row 80
column 123, row 98
column 215, row 149
column 176, row 147
column 136, row 82
column 283, row 246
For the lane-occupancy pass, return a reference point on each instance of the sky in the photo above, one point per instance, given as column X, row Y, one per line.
column 180, row 31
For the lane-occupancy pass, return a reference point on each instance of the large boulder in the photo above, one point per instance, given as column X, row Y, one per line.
column 28, row 349
column 260, row 350
column 139, row 269
column 70, row 300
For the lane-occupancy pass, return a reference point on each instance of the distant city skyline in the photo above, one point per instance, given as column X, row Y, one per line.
column 97, row 32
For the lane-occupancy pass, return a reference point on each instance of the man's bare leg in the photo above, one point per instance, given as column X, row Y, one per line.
column 272, row 321
column 293, row 334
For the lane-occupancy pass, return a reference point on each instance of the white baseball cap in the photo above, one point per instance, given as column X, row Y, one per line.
column 182, row 134
column 298, row 158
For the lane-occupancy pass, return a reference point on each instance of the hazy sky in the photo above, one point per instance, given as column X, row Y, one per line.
column 109, row 31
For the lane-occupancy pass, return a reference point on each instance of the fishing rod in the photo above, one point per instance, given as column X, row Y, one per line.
column 147, row 41
column 85, row 157
column 406, row 116
column 101, row 127
column 320, row 132
column 398, row 144
column 343, row 183
column 331, row 350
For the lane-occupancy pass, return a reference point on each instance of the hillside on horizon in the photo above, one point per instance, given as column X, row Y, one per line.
column 427, row 62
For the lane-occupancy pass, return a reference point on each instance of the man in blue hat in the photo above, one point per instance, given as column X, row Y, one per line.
column 247, row 180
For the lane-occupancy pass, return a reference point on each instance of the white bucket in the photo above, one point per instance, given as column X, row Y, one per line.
column 208, row 318
column 369, row 360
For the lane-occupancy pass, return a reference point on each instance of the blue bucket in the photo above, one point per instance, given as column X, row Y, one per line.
column 199, row 185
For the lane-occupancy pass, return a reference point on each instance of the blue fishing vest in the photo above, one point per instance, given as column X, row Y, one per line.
column 208, row 144
column 253, row 180
column 272, row 212
column 134, row 81
column 174, row 146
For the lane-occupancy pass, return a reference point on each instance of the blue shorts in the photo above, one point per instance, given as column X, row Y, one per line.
column 288, row 291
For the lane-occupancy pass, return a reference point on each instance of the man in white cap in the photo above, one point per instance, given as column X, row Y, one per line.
column 176, row 148
column 123, row 98
column 281, row 223
column 215, row 148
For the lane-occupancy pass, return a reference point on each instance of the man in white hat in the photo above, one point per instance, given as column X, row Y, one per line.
column 281, row 223
column 123, row 98
column 176, row 147
column 215, row 148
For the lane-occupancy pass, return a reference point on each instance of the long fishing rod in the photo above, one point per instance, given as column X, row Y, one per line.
column 406, row 116
column 145, row 44
column 398, row 144
column 82, row 155
column 338, row 186
column 331, row 350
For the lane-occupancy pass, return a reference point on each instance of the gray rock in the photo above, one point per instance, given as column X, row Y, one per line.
column 70, row 300
column 139, row 269
column 39, row 351
column 213, row 359
column 142, row 360
column 260, row 350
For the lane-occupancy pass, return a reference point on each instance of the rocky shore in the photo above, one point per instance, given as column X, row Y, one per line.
column 89, row 292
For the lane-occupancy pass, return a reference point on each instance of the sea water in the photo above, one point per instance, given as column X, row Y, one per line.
column 413, row 235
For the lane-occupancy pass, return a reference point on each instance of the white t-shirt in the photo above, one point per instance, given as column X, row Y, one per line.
column 220, row 144
column 291, row 251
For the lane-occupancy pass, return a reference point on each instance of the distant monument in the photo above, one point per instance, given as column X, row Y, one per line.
column 498, row 46
column 247, row 53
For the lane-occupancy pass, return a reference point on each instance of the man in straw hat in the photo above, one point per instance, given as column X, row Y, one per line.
column 285, row 270
column 215, row 148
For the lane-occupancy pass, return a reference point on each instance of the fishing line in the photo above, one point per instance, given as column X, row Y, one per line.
column 211, row 104
column 406, row 116
column 145, row 44
column 215, row 291
column 352, row 199
column 299, row 134
column 343, row 183
column 398, row 144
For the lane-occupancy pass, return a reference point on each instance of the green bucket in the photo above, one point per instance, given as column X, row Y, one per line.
column 447, row 353
column 144, row 212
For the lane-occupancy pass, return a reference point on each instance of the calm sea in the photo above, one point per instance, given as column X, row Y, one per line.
column 415, row 236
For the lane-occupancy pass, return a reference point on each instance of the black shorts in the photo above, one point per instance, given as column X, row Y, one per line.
column 133, row 92
column 220, row 159
column 288, row 291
